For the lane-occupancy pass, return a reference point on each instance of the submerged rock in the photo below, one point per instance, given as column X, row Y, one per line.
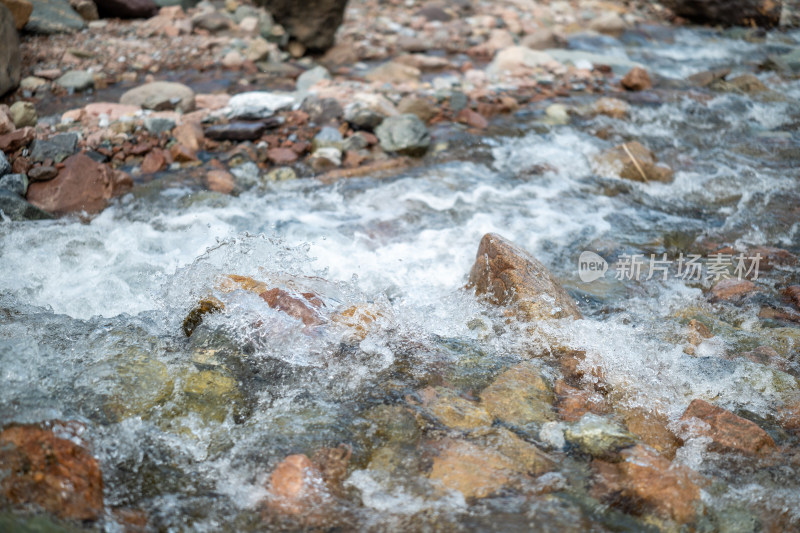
column 213, row 395
column 49, row 465
column 472, row 470
column 598, row 436
column 728, row 13
column 527, row 457
column 456, row 412
column 140, row 383
column 508, row 276
column 520, row 396
column 405, row 134
column 297, row 487
column 634, row 162
column 726, row 430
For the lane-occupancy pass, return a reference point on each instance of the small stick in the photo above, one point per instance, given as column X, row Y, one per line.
column 635, row 162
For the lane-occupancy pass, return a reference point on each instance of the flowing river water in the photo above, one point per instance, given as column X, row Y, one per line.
column 92, row 310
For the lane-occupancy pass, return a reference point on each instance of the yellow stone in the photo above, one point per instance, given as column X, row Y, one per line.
column 520, row 396
column 474, row 471
column 458, row 413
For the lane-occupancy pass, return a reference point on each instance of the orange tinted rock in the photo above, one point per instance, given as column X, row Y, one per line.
column 637, row 79
column 471, row 118
column 83, row 184
column 220, row 181
column 195, row 316
column 474, row 471
column 573, row 403
column 697, row 332
column 652, row 427
column 296, row 486
column 153, row 161
column 359, row 319
column 182, row 154
column 669, row 489
column 792, row 294
column 510, row 276
column 772, row 257
column 50, row 471
column 11, row 142
column 728, row 431
column 283, row 301
column 729, row 289
column 190, row 135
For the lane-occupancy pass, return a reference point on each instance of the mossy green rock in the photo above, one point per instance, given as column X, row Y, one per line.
column 598, row 436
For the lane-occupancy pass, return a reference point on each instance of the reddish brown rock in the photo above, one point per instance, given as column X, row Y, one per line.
column 296, row 486
column 730, row 289
column 637, row 79
column 220, row 181
column 11, row 142
column 52, row 472
column 302, row 309
column 182, row 154
column 573, row 403
column 770, row 257
column 282, row 156
column 792, row 295
column 726, row 430
column 671, row 490
column 153, row 161
column 653, row 428
column 472, row 119
column 82, row 185
column 509, row 276
column 190, row 135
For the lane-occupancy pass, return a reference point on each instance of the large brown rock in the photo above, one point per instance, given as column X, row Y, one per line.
column 82, row 185
column 52, row 472
column 728, row 12
column 474, row 471
column 509, row 276
column 645, row 480
column 126, row 9
column 313, row 22
column 21, row 11
column 726, row 430
column 10, row 66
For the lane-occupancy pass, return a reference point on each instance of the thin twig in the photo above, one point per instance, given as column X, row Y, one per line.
column 635, row 162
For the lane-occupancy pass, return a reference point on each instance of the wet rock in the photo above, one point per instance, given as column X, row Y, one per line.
column 507, row 275
column 726, row 430
column 303, row 306
column 220, row 181
column 697, row 333
column 53, row 16
column 644, row 476
column 637, row 79
column 10, row 65
column 87, row 9
column 16, row 208
column 158, row 125
column 652, row 428
column 213, row 395
column 598, row 436
column 456, row 412
column 731, row 289
column 405, row 134
column 312, row 23
column 311, row 77
column 211, row 21
column 42, row 173
column 160, row 96
column 82, row 185
column 359, row 320
column 282, row 156
column 325, row 158
column 281, row 174
column 792, row 295
column 394, row 424
column 632, row 161
column 518, row 61
column 333, row 463
column 322, row 110
column 256, row 105
column 195, row 316
column 520, row 396
column 137, row 384
column 367, row 111
column 57, row 148
column 296, row 487
column 474, row 471
column 728, row 13
column 182, row 154
column 49, row 465
column 11, row 142
column 236, row 131
column 707, row 77
column 472, row 119
column 393, row 72
column 153, row 161
column 574, row 403
column 23, row 114
column 609, row 23
column 20, row 11
column 527, row 458
column 16, row 183
column 611, row 107
column 76, row 80
column 423, row 107
column 744, row 84
column 540, row 39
